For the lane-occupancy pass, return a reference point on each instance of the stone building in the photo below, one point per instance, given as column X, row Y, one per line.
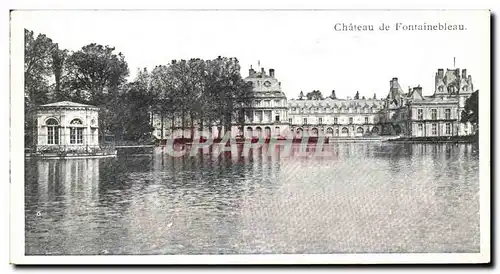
column 268, row 115
column 66, row 127
column 435, row 115
column 400, row 113
column 335, row 117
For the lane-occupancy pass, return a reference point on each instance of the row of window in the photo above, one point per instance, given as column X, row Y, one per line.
column 75, row 135
column 267, row 103
column 434, row 129
column 434, row 116
column 335, row 120
column 334, row 110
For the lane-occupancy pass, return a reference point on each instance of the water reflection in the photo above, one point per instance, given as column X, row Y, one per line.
column 353, row 197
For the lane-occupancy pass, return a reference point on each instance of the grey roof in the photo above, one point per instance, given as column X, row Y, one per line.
column 66, row 104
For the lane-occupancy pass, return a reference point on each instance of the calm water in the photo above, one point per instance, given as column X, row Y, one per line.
column 361, row 198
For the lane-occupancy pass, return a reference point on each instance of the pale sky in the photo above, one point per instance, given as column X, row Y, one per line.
column 302, row 46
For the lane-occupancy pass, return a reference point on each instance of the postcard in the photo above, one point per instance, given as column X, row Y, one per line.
column 250, row 136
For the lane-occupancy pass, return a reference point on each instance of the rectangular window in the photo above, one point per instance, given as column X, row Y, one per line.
column 335, row 120
column 277, row 118
column 350, row 120
column 447, row 114
column 79, row 135
column 75, row 135
column 434, row 114
column 420, row 129
column 448, row 128
column 434, row 129
column 305, row 121
column 366, row 120
column 52, row 136
column 290, row 120
column 320, row 121
column 72, row 135
column 420, row 114
column 93, row 135
column 276, row 103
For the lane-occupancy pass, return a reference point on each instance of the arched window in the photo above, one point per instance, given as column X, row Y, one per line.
column 249, row 131
column 52, row 131
column 298, row 133
column 76, row 132
column 314, row 132
column 360, row 130
column 267, row 131
column 259, row 131
column 345, row 130
column 336, row 132
column 375, row 130
column 329, row 132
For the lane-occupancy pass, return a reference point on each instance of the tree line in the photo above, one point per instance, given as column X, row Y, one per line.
column 317, row 95
column 201, row 92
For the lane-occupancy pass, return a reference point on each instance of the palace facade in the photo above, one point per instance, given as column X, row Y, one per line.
column 400, row 113
column 416, row 115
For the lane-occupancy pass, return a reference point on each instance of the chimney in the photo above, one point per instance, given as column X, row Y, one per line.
column 263, row 71
column 271, row 72
column 440, row 73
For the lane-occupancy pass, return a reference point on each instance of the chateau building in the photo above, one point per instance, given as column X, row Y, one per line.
column 437, row 115
column 335, row 117
column 400, row 113
column 268, row 115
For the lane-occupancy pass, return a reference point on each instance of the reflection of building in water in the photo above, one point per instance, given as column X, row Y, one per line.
column 400, row 113
column 77, row 180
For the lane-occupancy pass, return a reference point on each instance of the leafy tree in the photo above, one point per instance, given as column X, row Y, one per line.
column 374, row 96
column 133, row 112
column 225, row 83
column 37, row 70
column 470, row 112
column 357, row 95
column 95, row 71
column 301, row 95
column 333, row 96
column 314, row 95
column 94, row 75
column 37, row 67
column 58, row 60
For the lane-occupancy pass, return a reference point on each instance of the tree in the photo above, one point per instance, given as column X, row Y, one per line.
column 224, row 81
column 58, row 60
column 94, row 76
column 37, row 67
column 471, row 111
column 133, row 112
column 357, row 95
column 301, row 95
column 363, row 98
column 95, row 72
column 314, row 95
column 333, row 96
column 37, row 70
column 374, row 96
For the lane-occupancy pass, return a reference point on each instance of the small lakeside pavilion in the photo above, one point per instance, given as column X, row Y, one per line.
column 66, row 127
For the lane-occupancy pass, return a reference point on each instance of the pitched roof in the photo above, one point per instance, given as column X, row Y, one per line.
column 66, row 104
